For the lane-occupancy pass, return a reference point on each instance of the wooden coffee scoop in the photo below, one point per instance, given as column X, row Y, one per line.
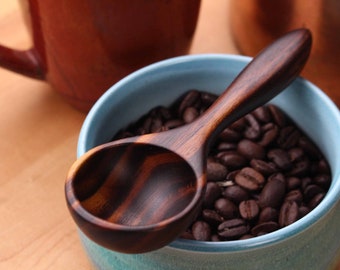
column 138, row 194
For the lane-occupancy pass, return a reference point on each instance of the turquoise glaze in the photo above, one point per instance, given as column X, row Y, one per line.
column 312, row 242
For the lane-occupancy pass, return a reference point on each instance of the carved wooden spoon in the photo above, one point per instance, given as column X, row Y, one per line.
column 138, row 194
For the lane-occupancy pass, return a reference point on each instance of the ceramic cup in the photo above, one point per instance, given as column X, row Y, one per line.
column 256, row 23
column 313, row 242
column 82, row 47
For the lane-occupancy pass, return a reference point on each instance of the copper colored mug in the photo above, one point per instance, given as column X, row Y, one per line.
column 256, row 23
column 82, row 47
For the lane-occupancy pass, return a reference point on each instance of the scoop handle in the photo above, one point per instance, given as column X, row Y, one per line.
column 269, row 73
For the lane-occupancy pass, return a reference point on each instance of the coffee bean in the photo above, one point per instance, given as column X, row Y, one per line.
column 316, row 200
column 190, row 114
column 239, row 125
column 249, row 209
column 226, row 146
column 293, row 182
column 249, row 179
column 232, row 159
column 288, row 137
column 251, row 149
column 233, row 229
column 263, row 167
column 190, row 99
column 311, row 190
column 226, row 208
column 164, row 112
column 146, row 125
column 277, row 115
column 309, row 147
column 270, row 134
column 253, row 130
column 296, row 154
column 208, row 99
column 173, row 123
column 322, row 180
column 216, row 171
column 262, row 114
column 156, row 125
column 231, row 175
column 212, row 193
column 246, row 236
column 305, row 181
column 300, row 168
column 272, row 193
column 187, row 235
column 201, row 231
column 281, row 158
column 289, row 213
column 303, row 210
column 212, row 217
column 236, row 194
column 294, row 195
column 230, row 135
column 268, row 214
column 323, row 168
column 215, row 238
column 264, row 228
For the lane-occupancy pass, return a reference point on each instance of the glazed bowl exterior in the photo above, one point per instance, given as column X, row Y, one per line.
column 313, row 242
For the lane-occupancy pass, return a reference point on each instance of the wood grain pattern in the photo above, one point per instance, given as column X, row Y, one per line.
column 148, row 189
column 39, row 134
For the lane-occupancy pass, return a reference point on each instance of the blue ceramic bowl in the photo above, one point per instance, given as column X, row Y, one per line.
column 313, row 242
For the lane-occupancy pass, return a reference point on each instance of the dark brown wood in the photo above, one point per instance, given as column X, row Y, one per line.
column 138, row 194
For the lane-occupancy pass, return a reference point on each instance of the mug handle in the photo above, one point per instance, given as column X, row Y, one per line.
column 24, row 62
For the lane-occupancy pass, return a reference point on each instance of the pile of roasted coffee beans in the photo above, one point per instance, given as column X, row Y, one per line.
column 263, row 172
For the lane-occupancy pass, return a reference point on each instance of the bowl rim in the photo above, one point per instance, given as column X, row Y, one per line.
column 224, row 246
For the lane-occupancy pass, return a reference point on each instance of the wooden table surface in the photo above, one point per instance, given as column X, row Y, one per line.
column 38, row 138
